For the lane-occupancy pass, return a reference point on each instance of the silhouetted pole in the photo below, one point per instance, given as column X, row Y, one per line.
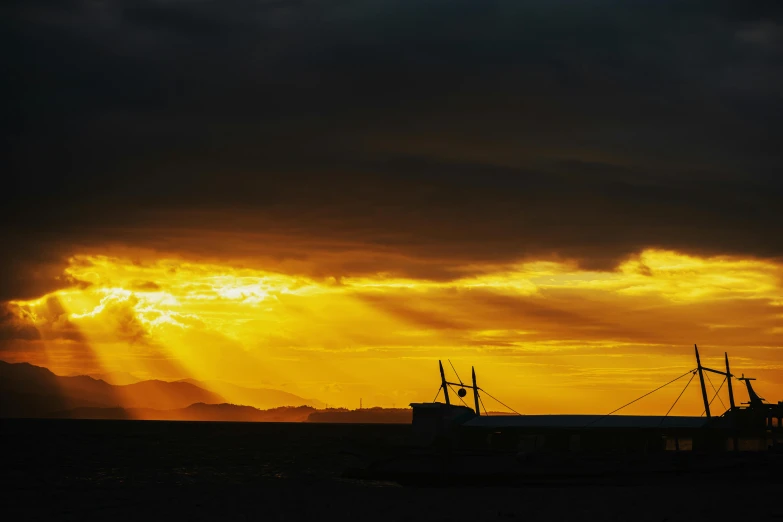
column 475, row 391
column 703, row 387
column 735, row 438
column 443, row 383
column 728, row 381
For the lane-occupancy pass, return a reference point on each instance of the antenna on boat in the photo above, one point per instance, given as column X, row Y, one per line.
column 444, row 384
column 475, row 390
column 728, row 381
column 754, row 397
column 703, row 386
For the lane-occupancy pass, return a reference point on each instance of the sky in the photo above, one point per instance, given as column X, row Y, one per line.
column 327, row 197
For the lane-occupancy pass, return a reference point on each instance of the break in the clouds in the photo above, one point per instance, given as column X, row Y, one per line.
column 414, row 138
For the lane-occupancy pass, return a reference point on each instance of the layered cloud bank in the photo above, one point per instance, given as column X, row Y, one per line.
column 331, row 195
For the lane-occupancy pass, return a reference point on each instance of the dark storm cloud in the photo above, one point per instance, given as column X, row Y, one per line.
column 437, row 132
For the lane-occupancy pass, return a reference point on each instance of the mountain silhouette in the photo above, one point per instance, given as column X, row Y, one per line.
column 194, row 412
column 27, row 390
column 26, row 387
column 261, row 398
column 33, row 391
column 164, row 395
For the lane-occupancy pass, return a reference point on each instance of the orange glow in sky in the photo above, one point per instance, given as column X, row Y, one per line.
column 545, row 337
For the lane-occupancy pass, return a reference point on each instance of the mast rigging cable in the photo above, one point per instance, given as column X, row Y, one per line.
column 678, row 397
column 638, row 398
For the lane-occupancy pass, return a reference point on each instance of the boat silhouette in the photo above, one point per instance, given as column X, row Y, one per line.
column 456, row 444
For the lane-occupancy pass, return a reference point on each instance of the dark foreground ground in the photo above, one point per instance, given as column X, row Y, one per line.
column 126, row 470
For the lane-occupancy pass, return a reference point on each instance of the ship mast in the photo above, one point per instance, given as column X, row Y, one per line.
column 703, row 386
column 444, row 384
column 475, row 390
column 461, row 385
column 728, row 381
column 726, row 374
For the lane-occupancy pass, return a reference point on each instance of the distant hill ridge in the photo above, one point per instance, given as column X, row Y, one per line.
column 35, row 392
column 194, row 412
column 28, row 390
column 39, row 385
